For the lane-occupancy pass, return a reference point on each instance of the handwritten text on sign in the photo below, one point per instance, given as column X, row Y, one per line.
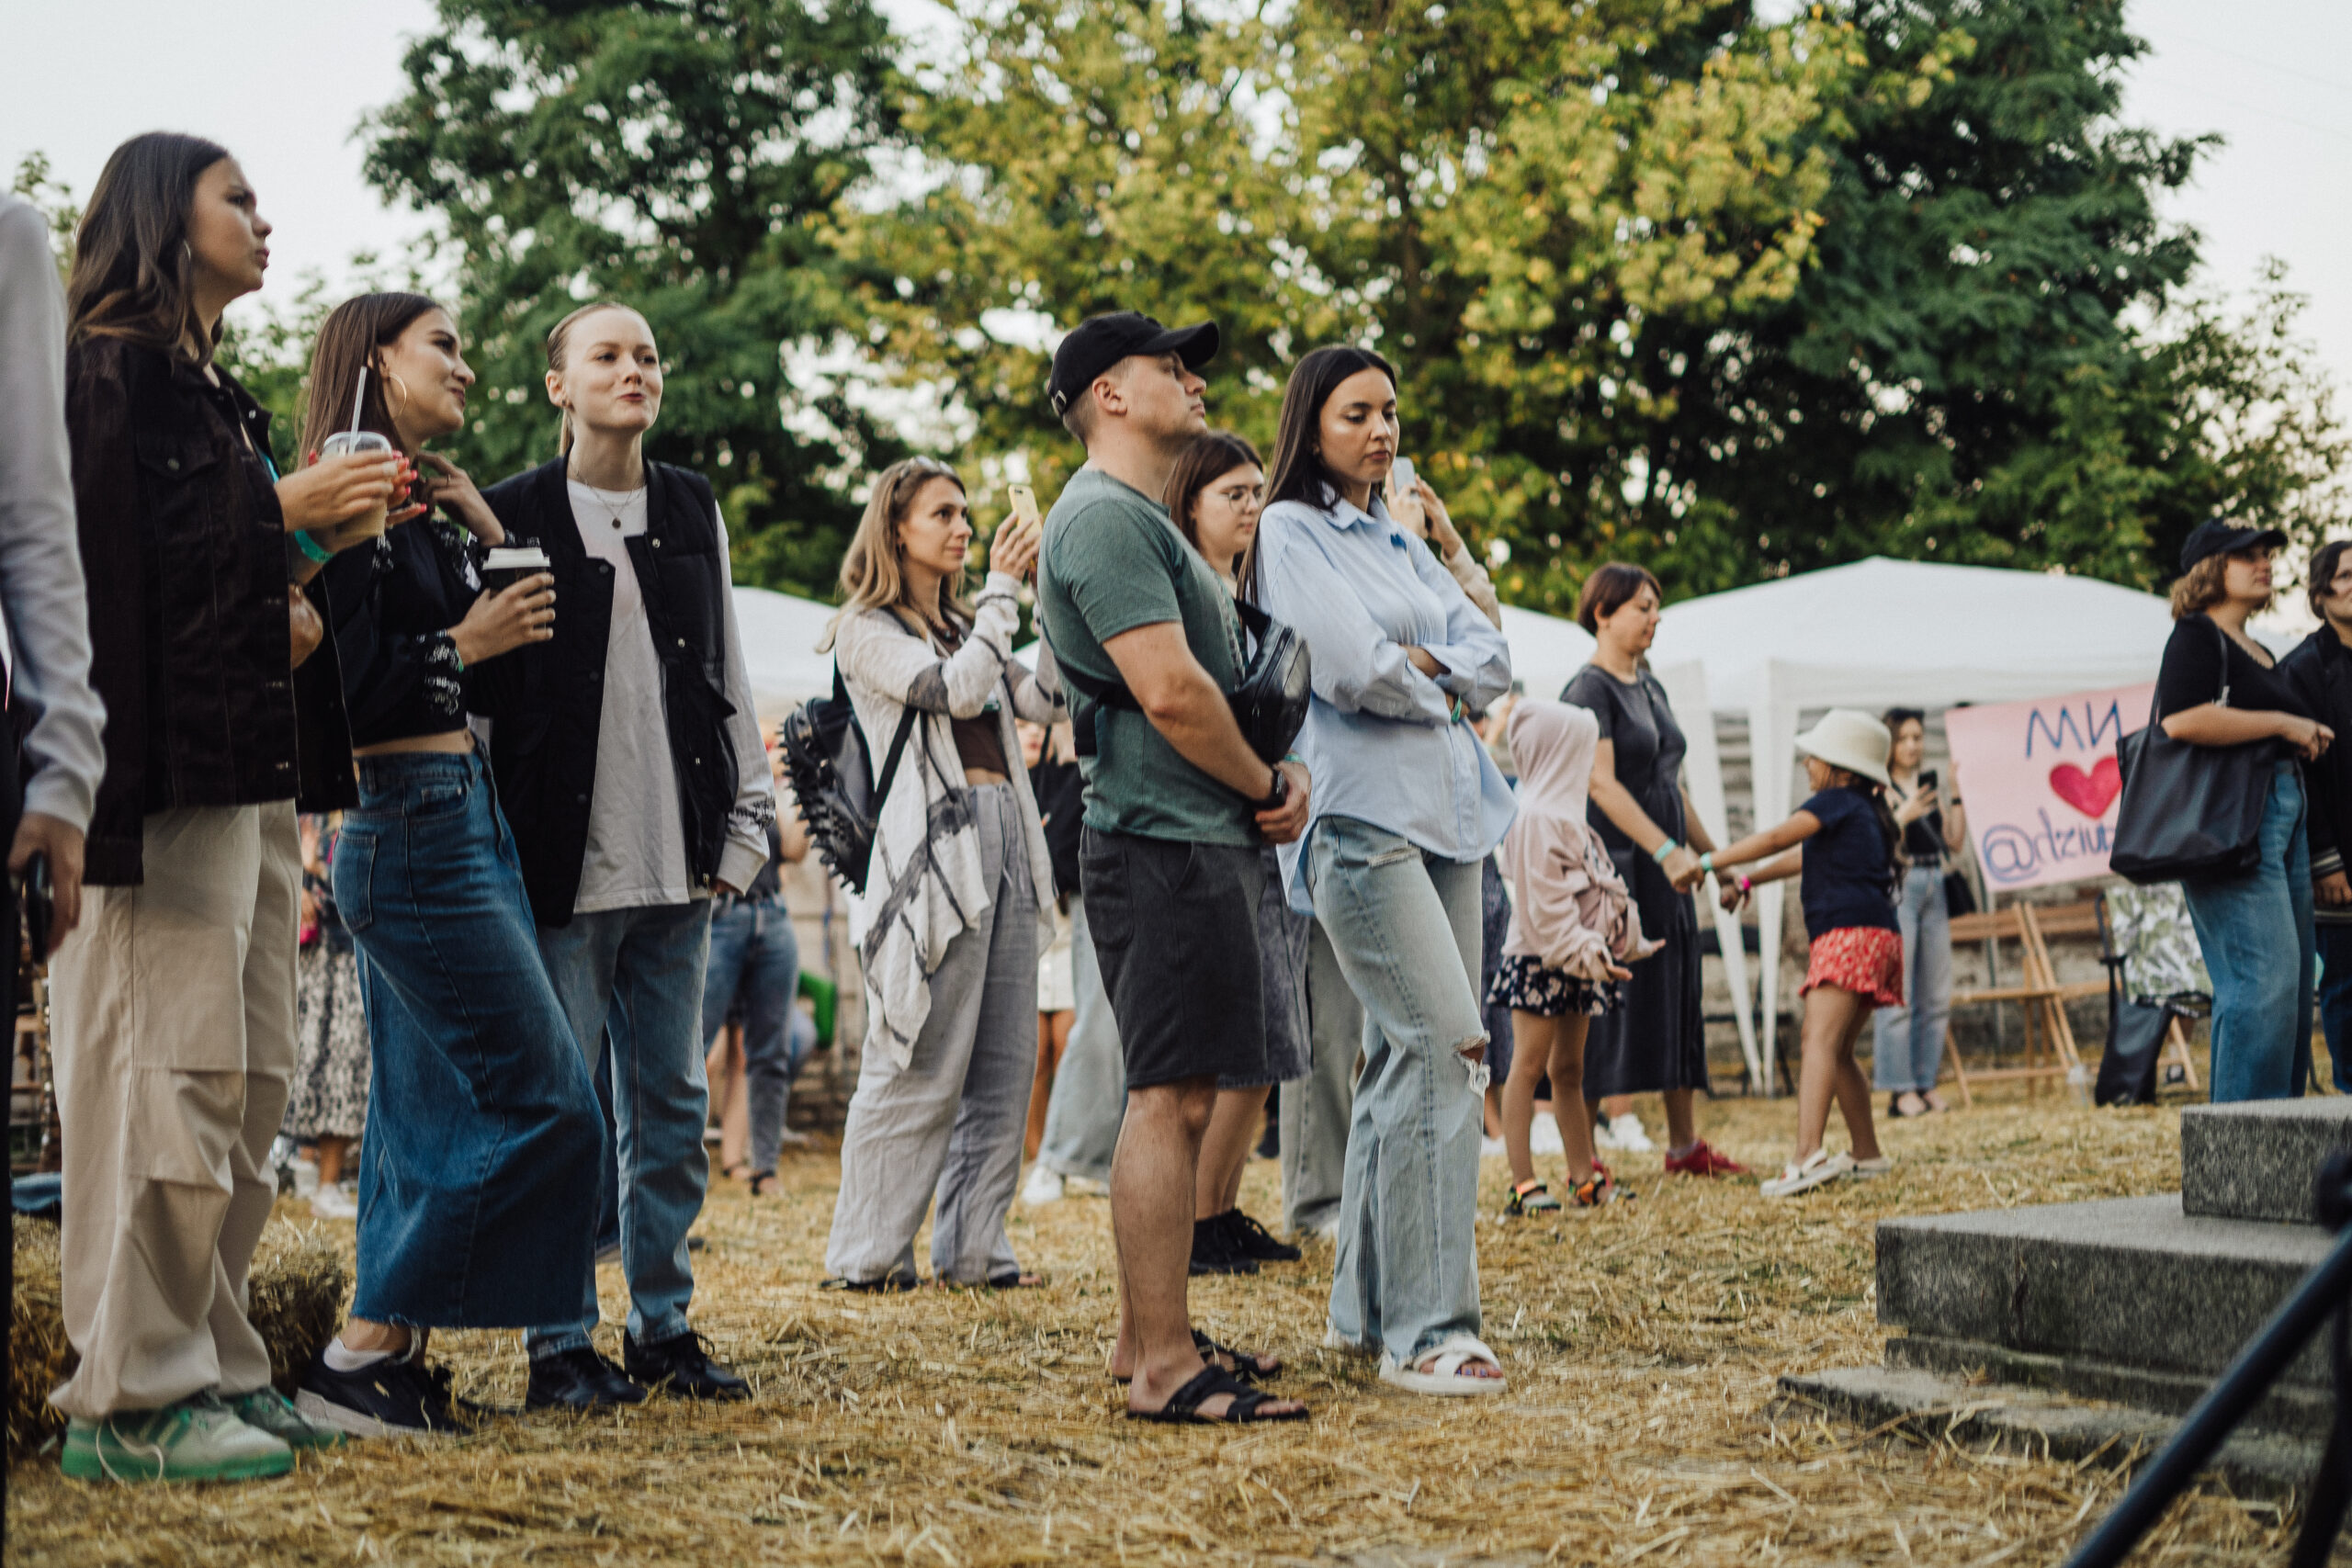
column 2040, row 782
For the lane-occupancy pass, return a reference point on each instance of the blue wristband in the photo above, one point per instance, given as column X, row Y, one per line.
column 302, row 541
column 1664, row 850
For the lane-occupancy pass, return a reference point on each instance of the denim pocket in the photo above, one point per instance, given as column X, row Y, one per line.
column 437, row 800
column 1110, row 902
column 354, row 876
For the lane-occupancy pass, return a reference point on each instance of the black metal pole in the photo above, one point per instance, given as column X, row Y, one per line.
column 2325, row 1289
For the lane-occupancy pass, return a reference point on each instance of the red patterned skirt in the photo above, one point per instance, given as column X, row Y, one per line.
column 1865, row 960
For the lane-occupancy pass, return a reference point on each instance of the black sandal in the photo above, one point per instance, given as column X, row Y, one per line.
column 891, row 1284
column 1245, row 1362
column 1184, row 1406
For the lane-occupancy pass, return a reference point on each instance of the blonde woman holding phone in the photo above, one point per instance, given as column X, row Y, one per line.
column 958, row 895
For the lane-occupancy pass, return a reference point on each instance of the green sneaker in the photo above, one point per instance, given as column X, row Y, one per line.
column 196, row 1440
column 266, row 1410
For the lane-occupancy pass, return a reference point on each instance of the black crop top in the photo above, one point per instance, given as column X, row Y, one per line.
column 391, row 604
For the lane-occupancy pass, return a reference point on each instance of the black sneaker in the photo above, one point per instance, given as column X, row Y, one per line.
column 682, row 1365
column 1251, row 1239
column 578, row 1380
column 398, row 1396
column 1213, row 1250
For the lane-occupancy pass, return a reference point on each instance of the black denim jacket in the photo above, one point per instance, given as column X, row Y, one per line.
column 184, row 546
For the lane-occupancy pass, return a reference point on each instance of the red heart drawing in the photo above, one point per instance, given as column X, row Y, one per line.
column 2090, row 794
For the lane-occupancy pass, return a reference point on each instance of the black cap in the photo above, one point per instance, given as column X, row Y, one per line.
column 1098, row 343
column 2220, row 537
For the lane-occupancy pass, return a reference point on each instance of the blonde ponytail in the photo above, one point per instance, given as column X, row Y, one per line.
column 560, row 345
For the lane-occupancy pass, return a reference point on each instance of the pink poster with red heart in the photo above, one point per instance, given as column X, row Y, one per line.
column 2039, row 781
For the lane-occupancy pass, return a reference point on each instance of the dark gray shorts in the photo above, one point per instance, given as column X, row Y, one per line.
column 1175, row 929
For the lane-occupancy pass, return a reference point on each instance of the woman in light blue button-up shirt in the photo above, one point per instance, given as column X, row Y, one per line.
column 1406, row 805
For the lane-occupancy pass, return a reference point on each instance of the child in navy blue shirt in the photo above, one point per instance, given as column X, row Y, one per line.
column 1845, row 842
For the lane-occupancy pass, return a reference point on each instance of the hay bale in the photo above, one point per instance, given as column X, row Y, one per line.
column 297, row 1292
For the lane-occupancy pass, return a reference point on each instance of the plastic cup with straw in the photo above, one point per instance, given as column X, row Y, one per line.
column 361, row 441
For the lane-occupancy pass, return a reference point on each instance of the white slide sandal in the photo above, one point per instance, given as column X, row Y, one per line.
column 1439, row 1371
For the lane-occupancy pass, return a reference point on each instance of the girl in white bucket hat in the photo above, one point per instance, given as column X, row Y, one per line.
column 1846, row 842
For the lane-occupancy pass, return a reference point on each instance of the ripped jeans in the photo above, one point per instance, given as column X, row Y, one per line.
column 1405, row 926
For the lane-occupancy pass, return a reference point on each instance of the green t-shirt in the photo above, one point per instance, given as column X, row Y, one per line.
column 1111, row 562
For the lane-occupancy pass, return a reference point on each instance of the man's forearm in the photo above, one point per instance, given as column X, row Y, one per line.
column 1198, row 722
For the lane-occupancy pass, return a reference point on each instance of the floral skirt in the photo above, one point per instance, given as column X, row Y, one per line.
column 328, row 1097
column 1525, row 985
column 1865, row 960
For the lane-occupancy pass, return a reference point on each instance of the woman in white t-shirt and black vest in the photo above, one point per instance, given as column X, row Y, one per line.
column 629, row 762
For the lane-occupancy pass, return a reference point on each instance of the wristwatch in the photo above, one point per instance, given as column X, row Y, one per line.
column 1276, row 796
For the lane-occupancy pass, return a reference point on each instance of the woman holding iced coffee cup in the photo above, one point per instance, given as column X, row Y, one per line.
column 480, row 1119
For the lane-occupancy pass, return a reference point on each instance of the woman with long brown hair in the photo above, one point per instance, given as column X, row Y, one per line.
column 958, row 894
column 1407, row 805
column 174, row 1000
column 480, row 1120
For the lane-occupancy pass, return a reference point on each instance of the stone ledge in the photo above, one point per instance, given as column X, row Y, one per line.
column 1930, row 1408
column 2129, row 1281
column 2291, row 1409
column 2258, row 1161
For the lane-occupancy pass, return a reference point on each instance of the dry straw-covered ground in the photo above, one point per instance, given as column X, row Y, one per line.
column 949, row 1428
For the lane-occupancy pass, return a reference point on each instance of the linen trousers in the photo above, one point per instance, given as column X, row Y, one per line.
column 1090, row 1098
column 172, row 1007
column 633, row 979
column 946, row 1129
column 1907, row 1042
column 2256, row 932
column 1314, row 1109
column 1405, row 925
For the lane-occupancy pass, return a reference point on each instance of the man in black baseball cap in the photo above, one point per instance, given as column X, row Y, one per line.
column 2220, row 537
column 1098, row 346
column 1178, row 810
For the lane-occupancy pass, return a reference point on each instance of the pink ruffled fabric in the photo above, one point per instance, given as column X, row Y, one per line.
column 1569, row 908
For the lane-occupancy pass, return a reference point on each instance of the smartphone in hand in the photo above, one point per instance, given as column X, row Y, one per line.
column 1025, row 505
column 1405, row 497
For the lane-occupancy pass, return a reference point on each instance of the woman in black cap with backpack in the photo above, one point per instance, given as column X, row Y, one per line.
column 2220, row 687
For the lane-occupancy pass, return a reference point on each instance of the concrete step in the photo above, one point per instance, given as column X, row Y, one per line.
column 2127, row 1282
column 2258, row 1161
column 2036, row 1424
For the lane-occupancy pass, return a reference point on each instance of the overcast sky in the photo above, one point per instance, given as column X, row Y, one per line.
column 284, row 83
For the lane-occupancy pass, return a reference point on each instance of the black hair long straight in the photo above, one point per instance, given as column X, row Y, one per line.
column 1299, row 473
column 133, row 275
column 1889, row 829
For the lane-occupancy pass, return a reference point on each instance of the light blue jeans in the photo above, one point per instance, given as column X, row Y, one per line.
column 1405, row 926
column 2256, row 932
column 641, row 970
column 754, row 955
column 1907, row 1042
column 1316, row 1110
column 1090, row 1098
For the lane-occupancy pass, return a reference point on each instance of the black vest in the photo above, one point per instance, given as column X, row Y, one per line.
column 546, row 699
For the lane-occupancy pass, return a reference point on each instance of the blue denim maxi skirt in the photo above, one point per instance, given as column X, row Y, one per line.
column 483, row 1144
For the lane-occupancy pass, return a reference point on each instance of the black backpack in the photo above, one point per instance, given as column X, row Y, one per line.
column 831, row 769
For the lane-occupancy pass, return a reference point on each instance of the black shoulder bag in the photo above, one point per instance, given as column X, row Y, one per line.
column 1269, row 703
column 831, row 769
column 2189, row 811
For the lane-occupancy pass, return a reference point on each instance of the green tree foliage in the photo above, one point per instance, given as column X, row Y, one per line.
column 684, row 156
column 1663, row 281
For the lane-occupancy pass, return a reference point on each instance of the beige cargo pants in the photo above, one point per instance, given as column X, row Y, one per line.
column 173, row 1013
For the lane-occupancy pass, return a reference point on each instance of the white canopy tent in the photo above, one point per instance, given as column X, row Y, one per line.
column 780, row 635
column 1883, row 633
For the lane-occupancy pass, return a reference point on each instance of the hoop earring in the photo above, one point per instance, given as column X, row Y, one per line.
column 389, row 379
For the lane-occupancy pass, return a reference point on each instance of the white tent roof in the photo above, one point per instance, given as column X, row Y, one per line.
column 1883, row 631
column 1545, row 652
column 780, row 635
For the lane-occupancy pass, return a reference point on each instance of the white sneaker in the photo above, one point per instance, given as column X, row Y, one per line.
column 1491, row 1149
column 1821, row 1167
column 1603, row 1136
column 335, row 1200
column 1044, row 1186
column 1625, row 1133
column 1084, row 1187
column 1866, row 1169
column 1544, row 1136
